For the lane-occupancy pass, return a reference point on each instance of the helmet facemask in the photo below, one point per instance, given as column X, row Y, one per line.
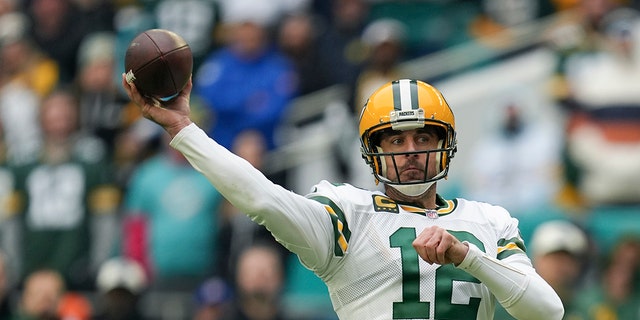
column 375, row 156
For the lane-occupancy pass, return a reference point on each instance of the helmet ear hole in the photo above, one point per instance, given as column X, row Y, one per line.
column 441, row 132
column 376, row 137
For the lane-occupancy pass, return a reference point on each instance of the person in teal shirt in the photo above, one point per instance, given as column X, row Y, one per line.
column 171, row 219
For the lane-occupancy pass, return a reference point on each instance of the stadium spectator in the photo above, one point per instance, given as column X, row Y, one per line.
column 238, row 231
column 120, row 283
column 384, row 41
column 136, row 142
column 6, row 288
column 101, row 103
column 259, row 282
column 26, row 76
column 212, row 299
column 518, row 149
column 40, row 296
column 298, row 38
column 68, row 202
column 616, row 294
column 561, row 253
column 57, row 28
column 248, row 83
column 23, row 62
column 340, row 43
column 171, row 223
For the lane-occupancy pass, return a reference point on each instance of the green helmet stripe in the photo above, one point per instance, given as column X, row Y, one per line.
column 395, row 86
column 413, row 89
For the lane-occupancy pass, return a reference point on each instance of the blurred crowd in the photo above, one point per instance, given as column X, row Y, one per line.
column 100, row 219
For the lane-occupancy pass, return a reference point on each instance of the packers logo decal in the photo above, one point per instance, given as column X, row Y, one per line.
column 384, row 204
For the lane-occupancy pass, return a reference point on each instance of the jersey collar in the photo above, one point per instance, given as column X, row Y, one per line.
column 443, row 206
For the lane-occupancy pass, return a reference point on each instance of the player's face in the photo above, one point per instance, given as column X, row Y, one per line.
column 410, row 167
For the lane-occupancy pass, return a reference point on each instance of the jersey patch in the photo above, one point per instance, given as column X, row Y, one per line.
column 384, row 204
column 341, row 231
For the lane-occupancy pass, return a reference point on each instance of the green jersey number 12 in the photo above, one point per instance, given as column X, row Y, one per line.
column 411, row 307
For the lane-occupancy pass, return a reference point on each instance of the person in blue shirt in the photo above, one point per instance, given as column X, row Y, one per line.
column 247, row 83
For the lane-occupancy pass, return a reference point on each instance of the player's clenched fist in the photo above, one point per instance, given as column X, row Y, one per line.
column 435, row 245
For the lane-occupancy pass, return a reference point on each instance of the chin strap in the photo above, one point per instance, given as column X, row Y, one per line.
column 412, row 190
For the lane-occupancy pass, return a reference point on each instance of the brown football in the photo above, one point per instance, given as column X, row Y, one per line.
column 159, row 62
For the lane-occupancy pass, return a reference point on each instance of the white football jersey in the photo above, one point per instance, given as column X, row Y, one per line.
column 374, row 271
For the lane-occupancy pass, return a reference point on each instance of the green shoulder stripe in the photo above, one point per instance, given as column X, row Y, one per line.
column 341, row 231
column 507, row 247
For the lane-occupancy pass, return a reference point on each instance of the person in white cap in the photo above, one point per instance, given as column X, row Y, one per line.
column 559, row 252
column 120, row 283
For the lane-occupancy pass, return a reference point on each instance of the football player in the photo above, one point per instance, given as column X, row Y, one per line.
column 406, row 253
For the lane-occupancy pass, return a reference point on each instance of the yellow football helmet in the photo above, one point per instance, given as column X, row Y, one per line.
column 405, row 105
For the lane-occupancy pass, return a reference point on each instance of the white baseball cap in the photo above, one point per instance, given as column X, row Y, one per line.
column 259, row 12
column 120, row 272
column 384, row 30
column 558, row 235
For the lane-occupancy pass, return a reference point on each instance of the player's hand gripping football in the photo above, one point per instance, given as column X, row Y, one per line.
column 172, row 115
column 436, row 245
